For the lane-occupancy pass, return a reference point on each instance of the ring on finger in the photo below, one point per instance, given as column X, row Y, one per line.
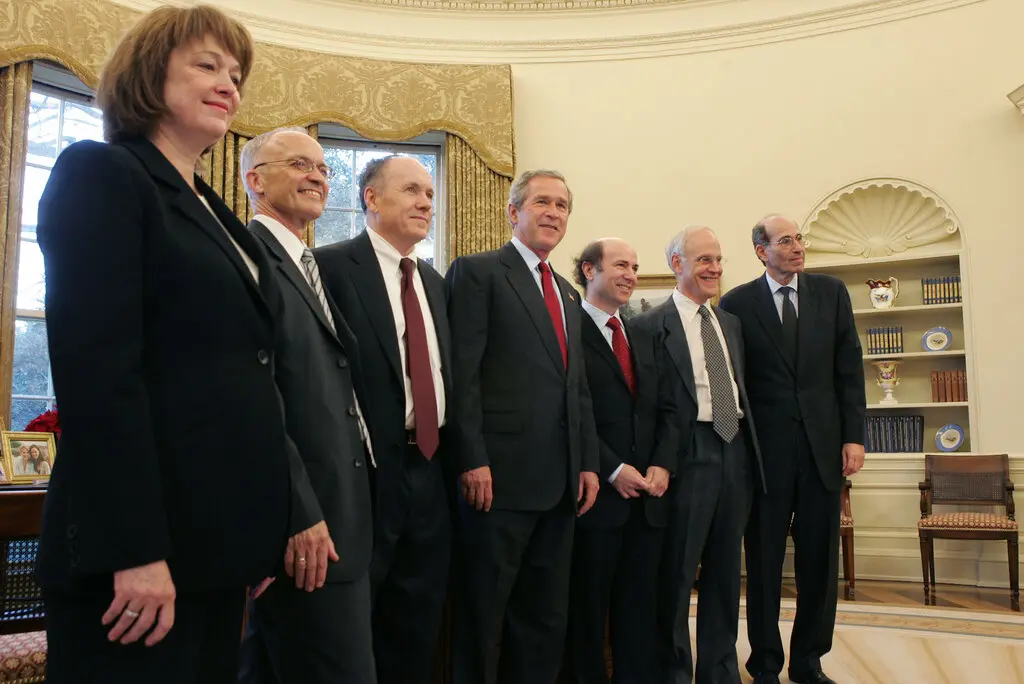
column 131, row 613
column 302, row 560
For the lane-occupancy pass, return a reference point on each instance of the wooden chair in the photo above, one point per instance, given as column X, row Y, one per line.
column 22, row 639
column 966, row 480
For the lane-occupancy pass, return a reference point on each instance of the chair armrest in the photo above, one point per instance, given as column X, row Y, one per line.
column 1009, row 499
column 926, row 503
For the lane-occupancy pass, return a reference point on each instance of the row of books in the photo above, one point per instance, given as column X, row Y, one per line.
column 944, row 290
column 894, row 434
column 887, row 340
column 949, row 386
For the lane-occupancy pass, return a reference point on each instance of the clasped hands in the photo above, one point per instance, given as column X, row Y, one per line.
column 629, row 483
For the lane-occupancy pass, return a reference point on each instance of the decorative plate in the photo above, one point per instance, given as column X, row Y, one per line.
column 937, row 339
column 949, row 437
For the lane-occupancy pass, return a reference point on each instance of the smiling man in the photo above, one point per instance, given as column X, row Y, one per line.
column 527, row 447
column 315, row 619
column 719, row 466
column 617, row 550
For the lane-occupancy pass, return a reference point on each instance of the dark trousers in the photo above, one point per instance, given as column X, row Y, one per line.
column 815, row 513
column 201, row 648
column 317, row 637
column 516, row 572
column 409, row 572
column 254, row 665
column 711, row 502
column 614, row 578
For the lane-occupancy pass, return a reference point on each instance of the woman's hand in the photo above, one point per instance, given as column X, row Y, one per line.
column 142, row 596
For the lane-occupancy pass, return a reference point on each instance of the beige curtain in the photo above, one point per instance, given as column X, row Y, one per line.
column 220, row 168
column 477, row 197
column 15, row 91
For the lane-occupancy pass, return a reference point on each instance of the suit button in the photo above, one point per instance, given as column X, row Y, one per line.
column 561, row 424
column 72, row 531
column 263, row 357
column 342, row 363
column 351, row 410
column 357, row 463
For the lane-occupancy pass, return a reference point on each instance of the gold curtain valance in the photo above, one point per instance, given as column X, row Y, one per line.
column 379, row 99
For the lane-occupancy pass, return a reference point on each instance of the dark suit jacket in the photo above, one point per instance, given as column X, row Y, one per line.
column 823, row 390
column 161, row 343
column 351, row 273
column 663, row 321
column 317, row 371
column 641, row 432
column 518, row 409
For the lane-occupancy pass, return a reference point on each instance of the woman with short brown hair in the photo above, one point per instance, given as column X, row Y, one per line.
column 161, row 338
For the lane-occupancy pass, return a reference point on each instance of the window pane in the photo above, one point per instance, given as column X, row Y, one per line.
column 333, row 226
column 35, row 182
column 364, row 157
column 81, row 122
column 24, row 410
column 31, row 276
column 31, row 358
column 43, row 128
column 429, row 161
column 341, row 193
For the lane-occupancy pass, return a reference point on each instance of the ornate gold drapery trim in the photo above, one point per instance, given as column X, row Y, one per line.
column 381, row 100
column 15, row 91
column 476, row 201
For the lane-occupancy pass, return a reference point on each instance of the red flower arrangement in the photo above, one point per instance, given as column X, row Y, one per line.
column 46, row 422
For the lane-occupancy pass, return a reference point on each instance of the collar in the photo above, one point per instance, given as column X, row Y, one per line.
column 687, row 308
column 774, row 285
column 389, row 257
column 529, row 256
column 292, row 245
column 600, row 317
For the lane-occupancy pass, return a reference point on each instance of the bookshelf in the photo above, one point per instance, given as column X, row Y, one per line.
column 882, row 228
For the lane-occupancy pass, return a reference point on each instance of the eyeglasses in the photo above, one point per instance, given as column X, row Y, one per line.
column 707, row 260
column 302, row 165
column 789, row 240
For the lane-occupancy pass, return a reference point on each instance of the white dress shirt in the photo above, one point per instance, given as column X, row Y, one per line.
column 295, row 248
column 775, row 285
column 250, row 264
column 690, row 317
column 601, row 318
column 389, row 260
column 532, row 263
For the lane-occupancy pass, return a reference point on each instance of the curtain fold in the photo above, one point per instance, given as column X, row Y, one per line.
column 220, row 169
column 15, row 91
column 476, row 201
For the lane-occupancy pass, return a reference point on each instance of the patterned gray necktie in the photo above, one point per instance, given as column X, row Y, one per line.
column 724, row 417
column 313, row 274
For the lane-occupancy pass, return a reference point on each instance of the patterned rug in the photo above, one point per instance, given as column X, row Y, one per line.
column 902, row 645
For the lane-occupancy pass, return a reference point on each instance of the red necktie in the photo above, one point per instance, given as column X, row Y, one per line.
column 417, row 357
column 554, row 310
column 621, row 350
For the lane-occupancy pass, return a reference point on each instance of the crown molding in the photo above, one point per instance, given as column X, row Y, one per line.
column 625, row 39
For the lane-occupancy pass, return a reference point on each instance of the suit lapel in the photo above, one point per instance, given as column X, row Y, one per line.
column 735, row 353
column 806, row 315
column 768, row 315
column 525, row 287
column 434, row 289
column 284, row 262
column 374, row 297
column 677, row 346
column 593, row 338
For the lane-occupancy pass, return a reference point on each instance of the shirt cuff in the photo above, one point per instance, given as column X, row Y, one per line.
column 615, row 473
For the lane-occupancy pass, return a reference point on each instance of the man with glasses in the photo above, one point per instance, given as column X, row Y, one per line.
column 396, row 305
column 719, row 466
column 807, row 392
column 315, row 618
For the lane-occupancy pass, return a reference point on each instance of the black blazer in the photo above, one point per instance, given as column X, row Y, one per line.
column 823, row 391
column 161, row 343
column 641, row 432
column 351, row 273
column 317, row 371
column 518, row 409
column 663, row 321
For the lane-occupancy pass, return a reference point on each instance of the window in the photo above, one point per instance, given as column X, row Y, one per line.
column 348, row 155
column 57, row 118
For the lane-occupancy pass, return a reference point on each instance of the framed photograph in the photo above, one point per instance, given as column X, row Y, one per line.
column 652, row 290
column 28, row 456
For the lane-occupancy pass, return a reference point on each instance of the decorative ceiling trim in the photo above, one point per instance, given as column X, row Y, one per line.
column 1017, row 98
column 879, row 217
column 516, row 5
column 632, row 45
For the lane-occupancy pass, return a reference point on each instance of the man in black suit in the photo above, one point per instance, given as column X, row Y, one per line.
column 719, row 466
column 396, row 305
column 617, row 550
column 527, row 447
column 316, row 625
column 807, row 392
